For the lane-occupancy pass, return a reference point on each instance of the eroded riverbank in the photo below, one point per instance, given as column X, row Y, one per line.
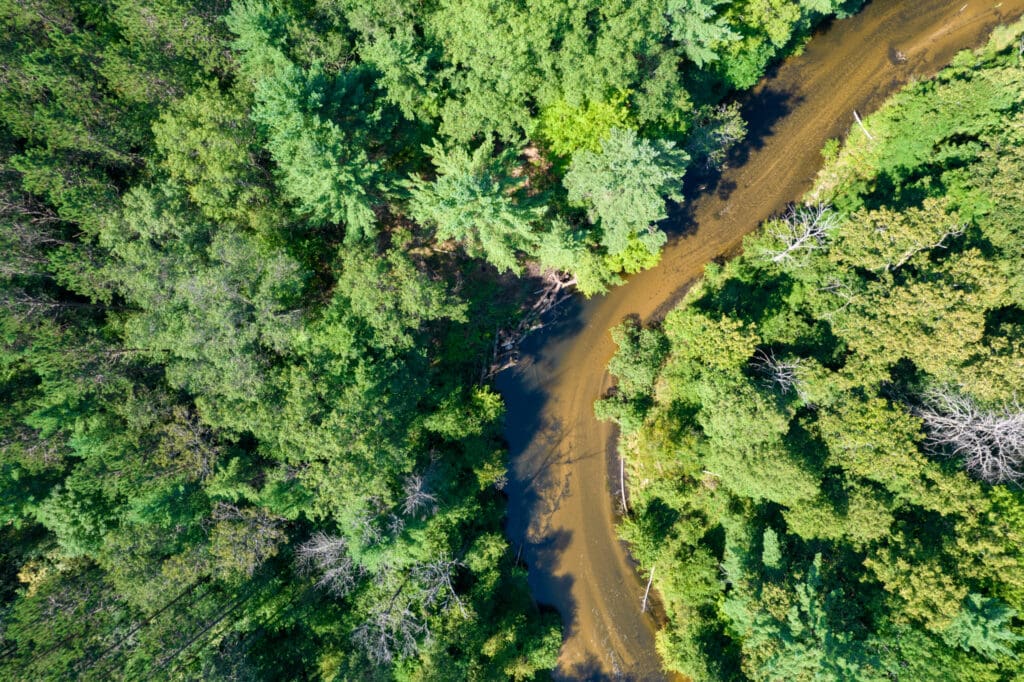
column 562, row 512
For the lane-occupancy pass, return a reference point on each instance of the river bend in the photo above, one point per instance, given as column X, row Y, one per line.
column 563, row 507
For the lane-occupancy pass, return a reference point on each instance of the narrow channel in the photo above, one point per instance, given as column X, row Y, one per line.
column 563, row 505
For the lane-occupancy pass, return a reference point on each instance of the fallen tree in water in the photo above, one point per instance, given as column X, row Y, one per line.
column 556, row 287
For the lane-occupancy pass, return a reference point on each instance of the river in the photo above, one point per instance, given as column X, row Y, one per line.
column 563, row 502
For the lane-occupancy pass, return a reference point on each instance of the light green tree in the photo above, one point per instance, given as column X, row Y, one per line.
column 624, row 187
column 986, row 626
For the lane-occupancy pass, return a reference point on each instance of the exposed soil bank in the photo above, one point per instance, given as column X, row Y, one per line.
column 563, row 511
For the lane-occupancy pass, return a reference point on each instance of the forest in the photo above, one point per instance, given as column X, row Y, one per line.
column 825, row 438
column 254, row 257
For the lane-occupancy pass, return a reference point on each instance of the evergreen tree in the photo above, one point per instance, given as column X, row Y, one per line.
column 625, row 187
column 473, row 200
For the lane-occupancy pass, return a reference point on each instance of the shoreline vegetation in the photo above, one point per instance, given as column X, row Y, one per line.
column 253, row 255
column 824, row 439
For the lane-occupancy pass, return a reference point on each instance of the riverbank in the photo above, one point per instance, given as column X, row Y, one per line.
column 562, row 514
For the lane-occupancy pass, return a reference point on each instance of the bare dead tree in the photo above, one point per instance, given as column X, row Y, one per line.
column 188, row 445
column 647, row 592
column 28, row 229
column 369, row 521
column 46, row 451
column 419, row 502
column 989, row 441
column 436, row 577
column 246, row 536
column 622, row 483
column 391, row 632
column 396, row 624
column 326, row 558
column 17, row 262
column 23, row 211
column 394, row 524
column 23, row 304
column 940, row 243
column 802, row 228
column 557, row 287
column 842, row 290
column 227, row 511
column 863, row 127
column 782, row 373
column 369, row 532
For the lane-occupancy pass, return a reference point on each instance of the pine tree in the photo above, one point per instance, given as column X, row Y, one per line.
column 624, row 186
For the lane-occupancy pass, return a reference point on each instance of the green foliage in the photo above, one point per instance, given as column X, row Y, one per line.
column 472, row 200
column 787, row 435
column 771, row 554
column 714, row 131
column 568, row 129
column 624, row 186
column 242, row 434
column 209, row 146
column 641, row 352
column 394, row 297
column 984, row 625
column 700, row 27
column 567, row 250
column 636, row 257
column 317, row 125
column 636, row 366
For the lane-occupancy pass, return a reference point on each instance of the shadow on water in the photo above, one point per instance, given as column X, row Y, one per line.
column 590, row 670
column 542, row 564
column 542, row 474
column 538, row 456
column 522, row 386
column 762, row 110
column 535, row 489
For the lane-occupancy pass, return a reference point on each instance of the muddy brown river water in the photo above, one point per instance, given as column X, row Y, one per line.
column 563, row 503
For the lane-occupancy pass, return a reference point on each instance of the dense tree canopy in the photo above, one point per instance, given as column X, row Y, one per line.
column 825, row 438
column 251, row 270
